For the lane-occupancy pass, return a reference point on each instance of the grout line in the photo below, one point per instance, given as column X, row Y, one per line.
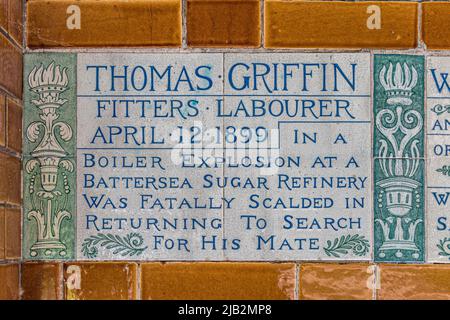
column 61, row 291
column 69, row 261
column 21, row 228
column 420, row 43
column 4, row 91
column 6, row 262
column 24, row 24
column 10, row 39
column 223, row 151
column 20, row 281
column 3, row 233
column 8, row 94
column 10, row 205
column 376, row 282
column 372, row 158
column 11, row 153
column 297, row 282
column 21, row 179
column 184, row 24
column 262, row 24
column 187, row 49
column 426, row 152
column 138, row 282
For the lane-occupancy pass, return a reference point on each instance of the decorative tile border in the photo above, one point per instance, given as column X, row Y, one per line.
column 398, row 153
column 49, row 156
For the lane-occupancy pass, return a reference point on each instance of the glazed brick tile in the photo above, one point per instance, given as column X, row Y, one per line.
column 414, row 282
column 13, row 233
column 223, row 23
column 338, row 24
column 14, row 125
column 191, row 281
column 10, row 67
column 9, row 279
column 436, row 24
column 103, row 23
column 336, row 281
column 11, row 181
column 41, row 281
column 100, row 281
column 15, row 20
column 2, row 120
column 2, row 232
column 4, row 14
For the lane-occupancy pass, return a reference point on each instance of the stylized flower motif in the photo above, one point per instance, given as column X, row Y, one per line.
column 361, row 248
column 48, row 83
column 50, row 76
column 358, row 244
column 444, row 247
column 445, row 170
column 398, row 83
column 129, row 245
column 440, row 109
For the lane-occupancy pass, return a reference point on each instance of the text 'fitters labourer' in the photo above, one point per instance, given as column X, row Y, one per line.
column 276, row 90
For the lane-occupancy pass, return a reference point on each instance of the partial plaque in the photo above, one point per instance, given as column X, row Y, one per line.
column 438, row 159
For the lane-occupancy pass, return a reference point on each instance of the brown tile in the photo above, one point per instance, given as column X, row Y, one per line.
column 339, row 24
column 414, row 282
column 41, row 281
column 9, row 280
column 216, row 280
column 13, row 233
column 4, row 14
column 223, row 23
column 10, row 67
column 10, row 182
column 2, row 120
column 100, row 281
column 15, row 20
column 104, row 23
column 436, row 24
column 14, row 125
column 322, row 281
column 2, row 232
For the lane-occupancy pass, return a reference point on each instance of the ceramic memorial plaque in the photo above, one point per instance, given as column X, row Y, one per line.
column 208, row 156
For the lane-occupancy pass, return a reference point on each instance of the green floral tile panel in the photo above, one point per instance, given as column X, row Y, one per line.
column 49, row 156
column 399, row 214
column 398, row 152
column 398, row 106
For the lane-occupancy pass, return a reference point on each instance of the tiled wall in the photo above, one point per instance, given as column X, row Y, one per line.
column 201, row 25
column 10, row 146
